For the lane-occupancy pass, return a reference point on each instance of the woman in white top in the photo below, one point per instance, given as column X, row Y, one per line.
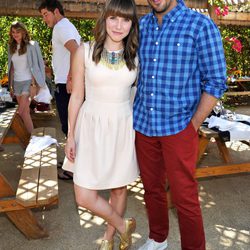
column 25, row 67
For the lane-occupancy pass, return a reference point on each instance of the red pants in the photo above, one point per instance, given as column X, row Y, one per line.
column 173, row 158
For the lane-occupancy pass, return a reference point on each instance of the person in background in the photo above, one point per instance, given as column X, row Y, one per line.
column 100, row 146
column 65, row 41
column 25, row 69
column 182, row 74
column 49, row 76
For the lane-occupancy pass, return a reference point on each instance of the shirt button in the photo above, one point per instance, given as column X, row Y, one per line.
column 153, row 77
column 151, row 109
column 172, row 20
column 152, row 94
column 178, row 44
column 154, row 60
column 157, row 28
column 156, row 43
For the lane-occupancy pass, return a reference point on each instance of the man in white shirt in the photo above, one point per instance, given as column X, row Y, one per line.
column 65, row 41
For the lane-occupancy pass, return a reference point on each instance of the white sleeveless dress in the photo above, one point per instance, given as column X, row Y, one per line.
column 104, row 135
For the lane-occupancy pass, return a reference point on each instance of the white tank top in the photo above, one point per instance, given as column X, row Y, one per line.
column 21, row 68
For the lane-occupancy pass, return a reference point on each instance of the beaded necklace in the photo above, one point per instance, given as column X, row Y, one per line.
column 113, row 59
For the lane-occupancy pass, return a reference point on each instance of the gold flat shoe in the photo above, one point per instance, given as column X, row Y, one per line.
column 126, row 238
column 107, row 245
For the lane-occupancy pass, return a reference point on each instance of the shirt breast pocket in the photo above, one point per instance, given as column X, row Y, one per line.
column 184, row 53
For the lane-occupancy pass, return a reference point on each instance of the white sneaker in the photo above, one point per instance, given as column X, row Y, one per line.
column 153, row 245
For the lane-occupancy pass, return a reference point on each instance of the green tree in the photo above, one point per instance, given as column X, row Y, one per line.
column 240, row 61
column 39, row 32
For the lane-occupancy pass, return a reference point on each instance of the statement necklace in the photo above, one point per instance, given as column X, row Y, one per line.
column 113, row 59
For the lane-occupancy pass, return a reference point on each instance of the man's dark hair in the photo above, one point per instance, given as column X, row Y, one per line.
column 51, row 5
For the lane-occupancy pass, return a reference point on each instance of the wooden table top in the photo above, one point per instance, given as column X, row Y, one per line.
column 6, row 119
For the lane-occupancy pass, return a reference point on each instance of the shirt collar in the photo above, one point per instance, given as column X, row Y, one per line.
column 174, row 13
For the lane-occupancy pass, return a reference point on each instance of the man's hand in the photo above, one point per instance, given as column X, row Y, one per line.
column 69, row 84
column 204, row 108
column 196, row 124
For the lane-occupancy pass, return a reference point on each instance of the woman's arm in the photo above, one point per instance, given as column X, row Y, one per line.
column 40, row 60
column 10, row 71
column 76, row 100
column 11, row 78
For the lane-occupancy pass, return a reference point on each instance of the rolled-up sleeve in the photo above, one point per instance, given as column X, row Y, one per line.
column 211, row 60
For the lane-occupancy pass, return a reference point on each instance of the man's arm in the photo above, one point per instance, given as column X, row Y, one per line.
column 71, row 46
column 204, row 108
column 211, row 62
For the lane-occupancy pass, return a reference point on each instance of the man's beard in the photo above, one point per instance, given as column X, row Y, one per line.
column 164, row 9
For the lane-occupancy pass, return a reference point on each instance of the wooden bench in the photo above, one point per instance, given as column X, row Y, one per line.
column 239, row 87
column 237, row 93
column 41, row 116
column 38, row 182
column 205, row 135
column 37, row 188
column 12, row 129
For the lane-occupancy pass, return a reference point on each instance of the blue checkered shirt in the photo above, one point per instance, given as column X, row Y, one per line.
column 178, row 61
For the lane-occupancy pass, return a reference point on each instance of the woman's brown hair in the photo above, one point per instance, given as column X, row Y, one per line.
column 25, row 38
column 121, row 8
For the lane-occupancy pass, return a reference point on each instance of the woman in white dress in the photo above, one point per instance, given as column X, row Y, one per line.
column 100, row 145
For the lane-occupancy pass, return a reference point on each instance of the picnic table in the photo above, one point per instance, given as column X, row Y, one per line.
column 237, row 87
column 12, row 129
column 38, row 186
column 228, row 167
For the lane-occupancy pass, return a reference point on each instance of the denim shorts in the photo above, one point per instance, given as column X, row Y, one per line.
column 22, row 87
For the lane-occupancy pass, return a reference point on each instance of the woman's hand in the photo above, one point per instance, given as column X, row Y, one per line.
column 12, row 92
column 70, row 149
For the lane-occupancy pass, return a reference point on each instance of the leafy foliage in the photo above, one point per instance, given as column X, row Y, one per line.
column 240, row 5
column 39, row 32
column 239, row 61
column 219, row 3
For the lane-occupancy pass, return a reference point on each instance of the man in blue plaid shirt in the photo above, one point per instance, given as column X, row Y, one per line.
column 182, row 74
